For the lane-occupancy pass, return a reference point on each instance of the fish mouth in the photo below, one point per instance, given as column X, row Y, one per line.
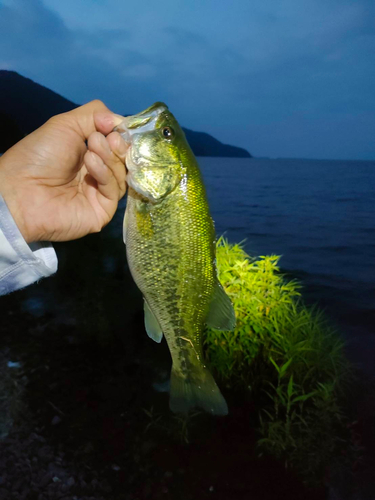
column 145, row 121
column 141, row 122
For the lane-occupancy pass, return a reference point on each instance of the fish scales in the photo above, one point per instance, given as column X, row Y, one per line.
column 174, row 264
column 170, row 244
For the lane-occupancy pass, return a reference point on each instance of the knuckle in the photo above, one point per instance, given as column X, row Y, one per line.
column 97, row 102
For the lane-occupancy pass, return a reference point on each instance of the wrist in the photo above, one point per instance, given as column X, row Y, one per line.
column 10, row 196
column 17, row 218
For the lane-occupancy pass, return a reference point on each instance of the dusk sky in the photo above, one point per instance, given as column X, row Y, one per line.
column 286, row 78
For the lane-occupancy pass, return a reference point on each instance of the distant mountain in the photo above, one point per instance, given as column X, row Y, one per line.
column 25, row 105
column 204, row 144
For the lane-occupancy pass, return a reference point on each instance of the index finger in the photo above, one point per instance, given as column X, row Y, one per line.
column 94, row 116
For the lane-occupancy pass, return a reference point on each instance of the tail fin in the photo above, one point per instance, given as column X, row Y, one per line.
column 199, row 390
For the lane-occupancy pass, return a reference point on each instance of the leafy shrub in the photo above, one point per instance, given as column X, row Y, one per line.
column 286, row 355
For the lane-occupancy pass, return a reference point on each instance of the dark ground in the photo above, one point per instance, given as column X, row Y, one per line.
column 87, row 422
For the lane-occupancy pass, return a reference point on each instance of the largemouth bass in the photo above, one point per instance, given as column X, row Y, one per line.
column 170, row 244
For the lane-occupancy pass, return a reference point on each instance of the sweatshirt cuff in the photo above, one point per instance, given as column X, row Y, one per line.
column 21, row 264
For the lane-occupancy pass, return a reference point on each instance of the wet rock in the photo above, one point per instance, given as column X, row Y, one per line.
column 24, row 494
column 146, row 491
column 70, row 482
column 16, row 485
column 45, row 453
column 104, row 486
column 83, row 484
column 56, row 420
column 46, row 479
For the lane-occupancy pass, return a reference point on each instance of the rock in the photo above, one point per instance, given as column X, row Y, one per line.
column 70, row 482
column 46, row 479
column 45, row 453
column 16, row 486
column 56, row 420
column 104, row 486
column 146, row 490
column 24, row 493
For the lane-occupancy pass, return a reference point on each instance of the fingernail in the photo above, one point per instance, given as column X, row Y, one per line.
column 117, row 119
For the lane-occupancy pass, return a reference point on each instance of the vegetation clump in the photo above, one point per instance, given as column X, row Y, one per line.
column 286, row 355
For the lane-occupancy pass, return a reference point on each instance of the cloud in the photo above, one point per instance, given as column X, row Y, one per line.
column 80, row 65
column 252, row 75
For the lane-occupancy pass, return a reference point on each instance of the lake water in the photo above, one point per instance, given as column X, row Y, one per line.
column 320, row 216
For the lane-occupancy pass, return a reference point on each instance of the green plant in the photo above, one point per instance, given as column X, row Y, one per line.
column 286, row 354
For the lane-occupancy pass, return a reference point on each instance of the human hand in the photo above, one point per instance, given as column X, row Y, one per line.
column 56, row 187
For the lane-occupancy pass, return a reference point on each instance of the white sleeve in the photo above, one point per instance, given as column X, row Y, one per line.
column 21, row 264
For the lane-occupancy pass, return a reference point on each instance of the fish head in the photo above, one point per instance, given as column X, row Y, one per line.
column 157, row 146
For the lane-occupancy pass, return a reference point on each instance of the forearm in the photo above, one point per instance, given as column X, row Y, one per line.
column 21, row 264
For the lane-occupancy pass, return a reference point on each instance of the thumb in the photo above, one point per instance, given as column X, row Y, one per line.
column 94, row 116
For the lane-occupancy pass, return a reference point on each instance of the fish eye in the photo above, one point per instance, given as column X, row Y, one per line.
column 168, row 132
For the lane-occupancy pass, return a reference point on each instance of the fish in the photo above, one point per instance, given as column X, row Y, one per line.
column 170, row 246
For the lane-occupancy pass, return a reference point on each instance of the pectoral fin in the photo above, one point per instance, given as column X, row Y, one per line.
column 152, row 326
column 221, row 313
